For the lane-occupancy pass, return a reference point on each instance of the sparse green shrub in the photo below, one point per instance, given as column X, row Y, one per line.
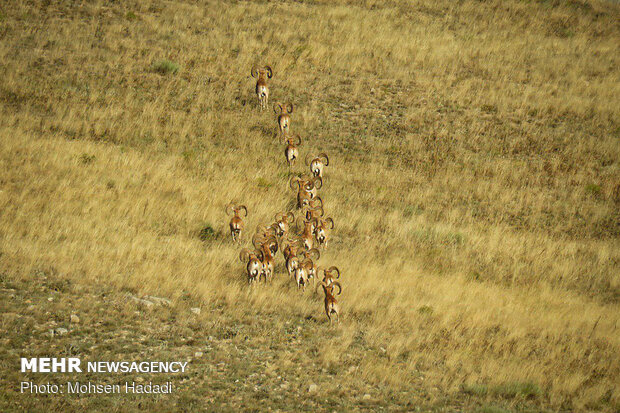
column 425, row 309
column 263, row 183
column 479, row 390
column 86, row 158
column 165, row 67
column 526, row 390
column 474, row 276
column 207, row 233
column 489, row 108
column 594, row 189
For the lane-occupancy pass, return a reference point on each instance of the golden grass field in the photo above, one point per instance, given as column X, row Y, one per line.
column 474, row 178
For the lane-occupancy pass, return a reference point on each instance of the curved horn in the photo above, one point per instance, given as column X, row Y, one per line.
column 339, row 286
column 318, row 180
column 298, row 139
column 331, row 221
column 314, row 203
column 295, row 179
column 254, row 71
column 244, row 255
column 316, row 252
column 230, row 208
column 289, row 107
column 269, row 72
column 334, row 268
column 290, row 217
column 324, row 155
column 277, row 105
column 240, row 207
column 279, row 216
column 320, row 202
column 308, row 159
column 271, row 241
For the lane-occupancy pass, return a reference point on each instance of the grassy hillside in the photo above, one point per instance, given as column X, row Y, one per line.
column 474, row 181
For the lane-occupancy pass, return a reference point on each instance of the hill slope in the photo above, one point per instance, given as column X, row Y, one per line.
column 474, row 182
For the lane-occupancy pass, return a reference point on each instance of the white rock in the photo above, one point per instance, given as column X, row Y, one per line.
column 61, row 331
column 75, row 319
column 146, row 303
column 366, row 397
column 313, row 388
column 158, row 300
column 195, row 310
column 198, row 354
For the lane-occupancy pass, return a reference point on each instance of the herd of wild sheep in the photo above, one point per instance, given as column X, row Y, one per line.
column 297, row 238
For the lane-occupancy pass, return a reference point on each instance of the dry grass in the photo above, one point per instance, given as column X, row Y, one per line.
column 474, row 173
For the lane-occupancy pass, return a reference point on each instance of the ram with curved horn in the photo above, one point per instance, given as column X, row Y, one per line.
column 314, row 212
column 331, row 304
column 317, row 163
column 307, row 189
column 290, row 251
column 254, row 265
column 265, row 247
column 292, row 149
column 322, row 230
column 236, row 224
column 292, row 246
column 283, row 110
column 262, row 89
column 330, row 274
column 304, row 273
column 311, row 256
column 266, row 237
column 307, row 234
column 283, row 223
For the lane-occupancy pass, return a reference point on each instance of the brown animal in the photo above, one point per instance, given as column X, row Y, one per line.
column 290, row 251
column 284, row 116
column 314, row 212
column 236, row 223
column 254, row 267
column 283, row 222
column 309, row 262
column 307, row 235
column 317, row 163
column 331, row 304
column 328, row 274
column 265, row 246
column 291, row 151
column 307, row 189
column 322, row 229
column 262, row 90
